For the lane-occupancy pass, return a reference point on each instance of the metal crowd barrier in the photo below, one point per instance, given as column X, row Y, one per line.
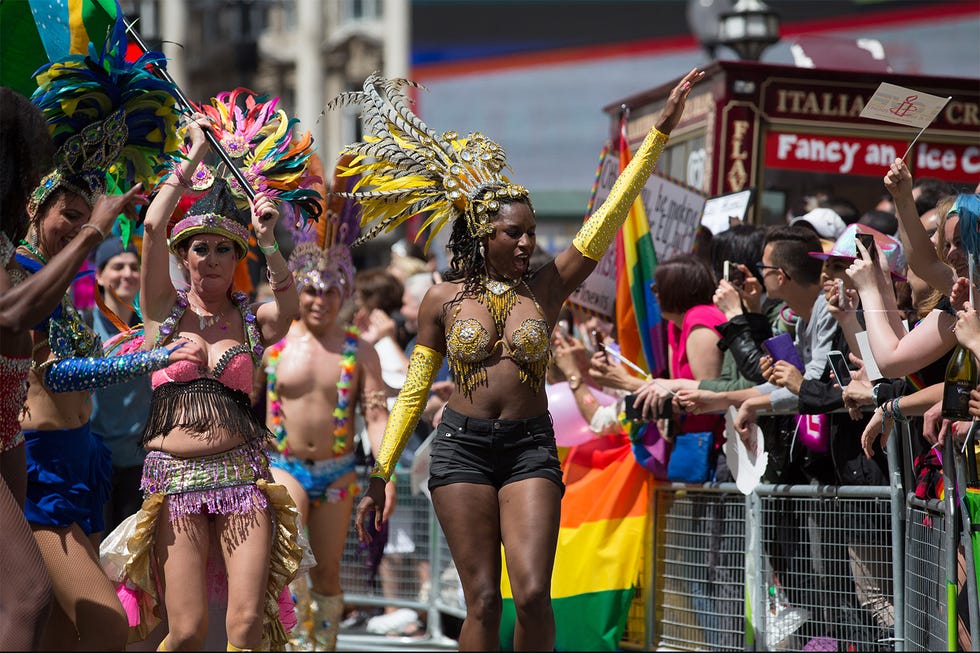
column 799, row 567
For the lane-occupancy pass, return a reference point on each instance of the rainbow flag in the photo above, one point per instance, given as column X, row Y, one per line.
column 35, row 32
column 603, row 531
column 637, row 312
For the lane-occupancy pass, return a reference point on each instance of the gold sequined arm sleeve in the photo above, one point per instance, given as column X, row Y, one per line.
column 595, row 236
column 422, row 369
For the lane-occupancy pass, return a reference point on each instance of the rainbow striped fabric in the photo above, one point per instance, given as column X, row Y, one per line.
column 637, row 312
column 603, row 532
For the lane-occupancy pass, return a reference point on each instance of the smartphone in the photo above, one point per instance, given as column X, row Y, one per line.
column 597, row 343
column 781, row 348
column 839, row 365
column 727, row 271
column 633, row 413
column 869, row 244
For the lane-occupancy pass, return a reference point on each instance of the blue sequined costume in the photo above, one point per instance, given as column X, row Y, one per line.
column 69, row 469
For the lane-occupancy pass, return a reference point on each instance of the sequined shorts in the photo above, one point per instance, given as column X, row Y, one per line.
column 316, row 476
column 219, row 484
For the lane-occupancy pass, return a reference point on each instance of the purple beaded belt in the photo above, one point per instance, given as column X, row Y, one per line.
column 220, row 484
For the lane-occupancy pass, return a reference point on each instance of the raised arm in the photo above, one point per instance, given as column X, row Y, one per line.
column 157, row 293
column 898, row 355
column 919, row 249
column 274, row 317
column 597, row 234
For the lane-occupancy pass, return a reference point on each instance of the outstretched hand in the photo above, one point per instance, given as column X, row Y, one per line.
column 675, row 102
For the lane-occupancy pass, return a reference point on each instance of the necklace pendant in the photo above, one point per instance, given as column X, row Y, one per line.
column 498, row 287
column 201, row 323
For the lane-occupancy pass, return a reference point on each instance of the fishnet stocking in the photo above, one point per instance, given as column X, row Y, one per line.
column 88, row 613
column 25, row 590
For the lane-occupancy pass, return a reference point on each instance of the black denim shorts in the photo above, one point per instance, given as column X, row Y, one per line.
column 493, row 451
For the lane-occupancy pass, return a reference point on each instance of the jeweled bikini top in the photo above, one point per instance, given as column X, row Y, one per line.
column 233, row 369
column 468, row 343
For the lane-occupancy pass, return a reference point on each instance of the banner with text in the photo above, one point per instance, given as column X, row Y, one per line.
column 850, row 155
column 842, row 155
column 673, row 210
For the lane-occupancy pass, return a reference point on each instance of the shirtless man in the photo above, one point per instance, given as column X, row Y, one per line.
column 315, row 378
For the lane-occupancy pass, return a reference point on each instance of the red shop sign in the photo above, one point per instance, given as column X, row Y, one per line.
column 842, row 155
column 945, row 161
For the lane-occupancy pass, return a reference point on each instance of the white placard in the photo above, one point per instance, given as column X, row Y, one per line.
column 870, row 366
column 719, row 210
column 747, row 467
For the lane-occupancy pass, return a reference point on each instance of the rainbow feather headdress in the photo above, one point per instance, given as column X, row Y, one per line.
column 259, row 137
column 321, row 258
column 106, row 116
column 405, row 168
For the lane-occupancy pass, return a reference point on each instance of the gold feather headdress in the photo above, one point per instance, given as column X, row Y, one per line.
column 408, row 169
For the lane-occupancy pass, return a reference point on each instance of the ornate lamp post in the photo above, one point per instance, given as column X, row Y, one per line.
column 749, row 28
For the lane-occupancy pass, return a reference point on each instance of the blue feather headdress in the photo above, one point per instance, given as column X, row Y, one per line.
column 106, row 116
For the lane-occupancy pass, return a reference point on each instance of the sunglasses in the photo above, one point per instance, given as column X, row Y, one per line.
column 761, row 267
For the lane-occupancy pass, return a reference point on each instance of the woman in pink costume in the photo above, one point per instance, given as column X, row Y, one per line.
column 206, row 476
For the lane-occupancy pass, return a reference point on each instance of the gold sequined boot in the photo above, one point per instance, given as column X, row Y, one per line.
column 301, row 638
column 327, row 613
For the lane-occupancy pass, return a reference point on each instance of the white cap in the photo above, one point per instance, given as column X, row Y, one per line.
column 826, row 222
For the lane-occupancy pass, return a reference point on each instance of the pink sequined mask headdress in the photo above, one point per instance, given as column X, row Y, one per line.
column 321, row 258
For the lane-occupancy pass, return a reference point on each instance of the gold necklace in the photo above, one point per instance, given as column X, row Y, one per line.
column 499, row 297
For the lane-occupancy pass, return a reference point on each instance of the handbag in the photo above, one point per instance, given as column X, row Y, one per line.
column 690, row 460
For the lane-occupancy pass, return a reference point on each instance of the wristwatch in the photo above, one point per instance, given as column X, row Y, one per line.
column 574, row 381
column 874, row 395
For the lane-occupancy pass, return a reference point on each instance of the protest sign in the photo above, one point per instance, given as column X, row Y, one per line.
column 718, row 211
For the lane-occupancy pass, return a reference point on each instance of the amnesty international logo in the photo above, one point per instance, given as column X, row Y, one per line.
column 904, row 106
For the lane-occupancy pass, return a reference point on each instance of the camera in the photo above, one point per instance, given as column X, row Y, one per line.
column 633, row 412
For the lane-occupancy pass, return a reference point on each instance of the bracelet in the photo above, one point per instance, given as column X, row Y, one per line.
column 273, row 281
column 269, row 250
column 892, row 411
column 284, row 286
column 95, row 229
column 273, row 277
column 180, row 176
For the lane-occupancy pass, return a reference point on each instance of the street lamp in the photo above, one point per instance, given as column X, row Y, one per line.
column 749, row 28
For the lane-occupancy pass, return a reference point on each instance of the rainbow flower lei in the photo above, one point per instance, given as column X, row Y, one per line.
column 341, row 414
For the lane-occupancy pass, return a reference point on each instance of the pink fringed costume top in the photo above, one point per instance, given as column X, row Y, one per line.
column 204, row 401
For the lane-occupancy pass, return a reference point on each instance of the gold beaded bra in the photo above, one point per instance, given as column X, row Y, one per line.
column 468, row 341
